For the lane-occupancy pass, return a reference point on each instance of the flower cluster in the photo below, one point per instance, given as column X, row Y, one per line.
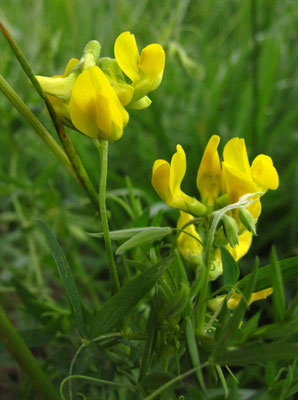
column 92, row 94
column 219, row 184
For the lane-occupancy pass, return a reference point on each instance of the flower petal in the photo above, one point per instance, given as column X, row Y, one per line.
column 95, row 109
column 152, row 62
column 178, row 169
column 209, row 173
column 161, row 178
column 70, row 65
column 264, row 173
column 235, row 155
column 127, row 55
column 236, row 184
column 189, row 246
column 242, row 248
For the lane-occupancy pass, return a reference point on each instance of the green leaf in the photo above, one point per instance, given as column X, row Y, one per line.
column 263, row 352
column 279, row 301
column 126, row 298
column 124, row 234
column 66, row 278
column 152, row 329
column 288, row 268
column 230, row 267
column 193, row 351
column 146, row 236
column 230, row 329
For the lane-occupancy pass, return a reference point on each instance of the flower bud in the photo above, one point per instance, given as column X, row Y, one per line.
column 247, row 220
column 91, row 54
column 231, row 229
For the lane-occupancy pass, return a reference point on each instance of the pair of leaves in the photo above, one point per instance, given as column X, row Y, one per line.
column 136, row 236
column 117, row 306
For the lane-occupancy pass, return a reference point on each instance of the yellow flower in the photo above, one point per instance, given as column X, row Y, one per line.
column 166, row 180
column 87, row 102
column 209, row 173
column 189, row 243
column 145, row 71
column 239, row 178
column 190, row 246
column 94, row 107
column 234, row 300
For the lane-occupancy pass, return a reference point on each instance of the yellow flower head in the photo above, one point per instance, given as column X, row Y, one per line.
column 86, row 101
column 189, row 244
column 145, row 71
column 167, row 178
column 94, row 107
column 239, row 178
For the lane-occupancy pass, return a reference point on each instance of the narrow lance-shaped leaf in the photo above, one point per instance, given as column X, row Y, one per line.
column 230, row 267
column 128, row 233
column 152, row 327
column 66, row 278
column 126, row 298
column 193, row 351
column 144, row 237
column 288, row 268
column 279, row 301
column 258, row 353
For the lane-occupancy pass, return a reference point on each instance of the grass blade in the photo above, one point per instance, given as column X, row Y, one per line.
column 288, row 268
column 66, row 278
column 279, row 301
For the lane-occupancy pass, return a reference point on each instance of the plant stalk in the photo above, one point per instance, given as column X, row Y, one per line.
column 24, row 357
column 103, row 151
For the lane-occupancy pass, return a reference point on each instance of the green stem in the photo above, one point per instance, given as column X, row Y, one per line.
column 21, row 107
column 24, row 357
column 202, row 305
column 75, row 160
column 103, row 151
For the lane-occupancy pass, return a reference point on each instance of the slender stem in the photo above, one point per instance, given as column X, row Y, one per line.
column 207, row 263
column 21, row 107
column 24, row 357
column 103, row 151
column 69, row 148
column 83, row 345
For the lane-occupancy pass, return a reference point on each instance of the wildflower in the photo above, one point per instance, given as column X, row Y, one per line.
column 145, row 71
column 166, row 180
column 234, row 300
column 94, row 107
column 228, row 180
column 91, row 95
column 190, row 246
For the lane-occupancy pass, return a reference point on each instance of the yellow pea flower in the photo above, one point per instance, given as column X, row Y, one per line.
column 239, row 178
column 209, row 173
column 94, row 107
column 190, row 246
column 189, row 243
column 166, row 180
column 234, row 300
column 145, row 71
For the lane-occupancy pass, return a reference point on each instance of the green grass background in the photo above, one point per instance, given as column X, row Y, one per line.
column 230, row 70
